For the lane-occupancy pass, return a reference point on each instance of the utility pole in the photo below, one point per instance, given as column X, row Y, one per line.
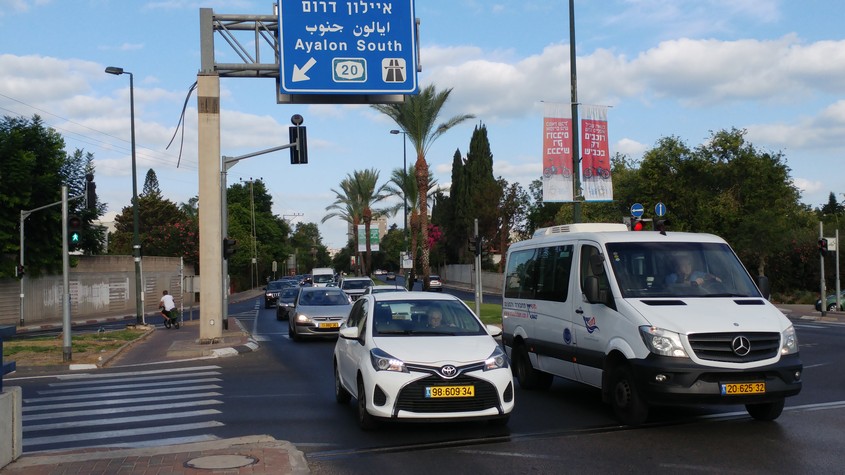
column 477, row 271
column 576, row 148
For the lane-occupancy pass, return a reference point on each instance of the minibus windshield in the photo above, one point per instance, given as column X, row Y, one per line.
column 679, row 269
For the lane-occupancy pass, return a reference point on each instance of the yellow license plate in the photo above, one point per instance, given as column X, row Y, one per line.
column 739, row 389
column 449, row 391
column 330, row 325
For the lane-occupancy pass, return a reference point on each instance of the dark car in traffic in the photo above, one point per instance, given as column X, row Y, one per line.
column 284, row 305
column 271, row 293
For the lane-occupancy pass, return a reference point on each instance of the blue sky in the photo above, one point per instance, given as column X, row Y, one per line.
column 666, row 67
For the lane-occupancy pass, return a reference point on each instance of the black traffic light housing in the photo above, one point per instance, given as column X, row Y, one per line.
column 822, row 247
column 637, row 224
column 229, row 246
column 473, row 245
column 90, row 192
column 299, row 145
column 74, row 231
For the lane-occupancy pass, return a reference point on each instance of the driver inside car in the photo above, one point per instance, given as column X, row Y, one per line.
column 685, row 275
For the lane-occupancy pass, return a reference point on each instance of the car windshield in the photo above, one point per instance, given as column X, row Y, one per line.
column 323, row 278
column 289, row 293
column 425, row 318
column 323, row 296
column 679, row 269
column 356, row 284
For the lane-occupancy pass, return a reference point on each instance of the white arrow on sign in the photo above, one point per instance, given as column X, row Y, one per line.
column 299, row 74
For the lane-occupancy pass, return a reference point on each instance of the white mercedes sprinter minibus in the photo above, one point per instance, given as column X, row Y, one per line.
column 650, row 318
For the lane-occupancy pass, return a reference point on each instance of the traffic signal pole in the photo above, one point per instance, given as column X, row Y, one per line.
column 821, row 260
column 477, row 272
column 66, row 345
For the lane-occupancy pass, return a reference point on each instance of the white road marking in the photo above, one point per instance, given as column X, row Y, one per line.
column 113, row 434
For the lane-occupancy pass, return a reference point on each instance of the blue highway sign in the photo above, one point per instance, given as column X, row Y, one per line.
column 637, row 210
column 355, row 47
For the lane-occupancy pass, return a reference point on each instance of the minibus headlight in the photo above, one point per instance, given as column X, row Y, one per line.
column 662, row 342
column 790, row 341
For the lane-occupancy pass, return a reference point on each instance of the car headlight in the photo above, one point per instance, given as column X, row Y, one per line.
column 790, row 341
column 662, row 342
column 382, row 361
column 302, row 318
column 496, row 360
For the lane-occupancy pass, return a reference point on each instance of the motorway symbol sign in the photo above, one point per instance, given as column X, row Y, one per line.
column 660, row 209
column 362, row 47
column 637, row 210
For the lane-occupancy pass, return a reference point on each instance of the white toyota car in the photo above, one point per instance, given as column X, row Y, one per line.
column 421, row 356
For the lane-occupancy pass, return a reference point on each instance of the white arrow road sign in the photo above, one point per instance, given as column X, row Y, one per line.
column 299, row 74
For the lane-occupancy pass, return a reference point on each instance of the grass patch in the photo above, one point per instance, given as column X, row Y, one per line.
column 85, row 348
column 491, row 313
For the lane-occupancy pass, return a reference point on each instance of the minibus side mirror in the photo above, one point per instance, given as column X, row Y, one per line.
column 764, row 286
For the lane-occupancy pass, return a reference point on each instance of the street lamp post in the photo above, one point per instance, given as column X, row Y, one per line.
column 404, row 194
column 136, row 245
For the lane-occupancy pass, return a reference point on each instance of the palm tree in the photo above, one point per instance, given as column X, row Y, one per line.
column 403, row 184
column 354, row 204
column 346, row 207
column 417, row 117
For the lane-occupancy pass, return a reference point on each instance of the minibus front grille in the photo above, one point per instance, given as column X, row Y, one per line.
column 731, row 347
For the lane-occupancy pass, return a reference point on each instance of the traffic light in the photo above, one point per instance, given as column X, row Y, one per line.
column 822, row 247
column 74, row 231
column 229, row 246
column 299, row 142
column 90, row 193
column 473, row 245
column 637, row 224
column 20, row 271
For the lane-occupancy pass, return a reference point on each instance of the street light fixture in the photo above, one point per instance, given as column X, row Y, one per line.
column 136, row 245
column 404, row 180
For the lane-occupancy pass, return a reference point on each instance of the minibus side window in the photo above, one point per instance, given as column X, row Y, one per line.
column 554, row 266
column 589, row 256
column 519, row 277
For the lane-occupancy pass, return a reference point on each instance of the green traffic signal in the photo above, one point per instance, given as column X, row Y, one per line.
column 74, row 231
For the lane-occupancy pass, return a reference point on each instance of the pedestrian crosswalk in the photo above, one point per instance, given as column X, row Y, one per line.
column 125, row 409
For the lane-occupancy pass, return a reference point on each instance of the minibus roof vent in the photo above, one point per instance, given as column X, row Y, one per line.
column 580, row 228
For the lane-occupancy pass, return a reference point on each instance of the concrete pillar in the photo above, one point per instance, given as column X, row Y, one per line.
column 210, row 207
column 11, row 426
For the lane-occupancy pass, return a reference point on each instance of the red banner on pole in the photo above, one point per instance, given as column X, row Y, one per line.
column 557, row 153
column 595, row 155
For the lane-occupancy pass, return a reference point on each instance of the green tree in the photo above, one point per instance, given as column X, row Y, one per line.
column 260, row 234
column 151, row 184
column 33, row 168
column 485, row 193
column 418, row 117
column 513, row 208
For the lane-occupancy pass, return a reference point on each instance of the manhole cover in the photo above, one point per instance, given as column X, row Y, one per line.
column 215, row 462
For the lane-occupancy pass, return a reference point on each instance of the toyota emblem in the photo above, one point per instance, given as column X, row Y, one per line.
column 449, row 371
column 741, row 346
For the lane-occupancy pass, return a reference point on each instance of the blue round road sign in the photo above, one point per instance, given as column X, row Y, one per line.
column 637, row 210
column 660, row 209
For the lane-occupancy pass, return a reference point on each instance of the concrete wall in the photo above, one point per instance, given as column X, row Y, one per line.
column 100, row 286
column 11, row 425
column 464, row 274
